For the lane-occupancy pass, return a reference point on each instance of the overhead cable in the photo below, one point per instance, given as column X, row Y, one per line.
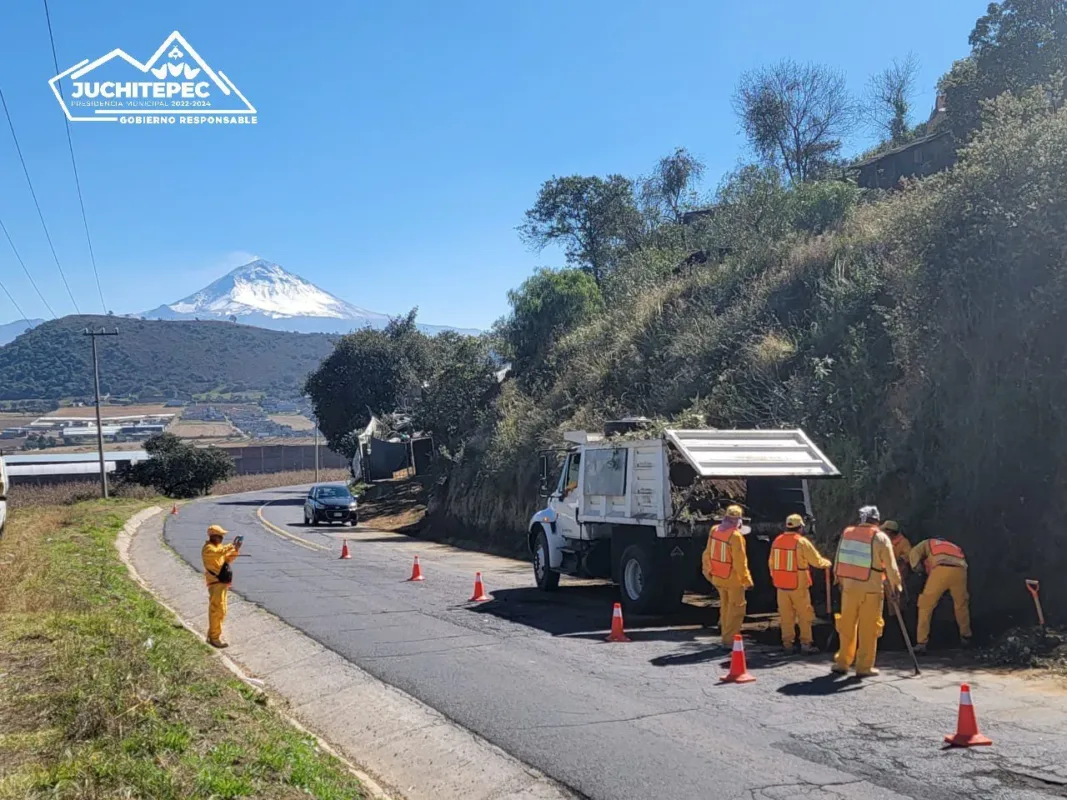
column 74, row 164
column 40, row 214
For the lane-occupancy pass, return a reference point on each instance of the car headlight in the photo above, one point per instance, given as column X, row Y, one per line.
column 352, row 504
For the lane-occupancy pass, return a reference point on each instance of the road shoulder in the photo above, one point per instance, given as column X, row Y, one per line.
column 410, row 750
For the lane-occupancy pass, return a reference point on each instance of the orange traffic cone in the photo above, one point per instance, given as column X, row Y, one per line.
column 617, row 634
column 967, row 734
column 416, row 572
column 344, row 549
column 479, row 590
column 174, row 509
column 738, row 670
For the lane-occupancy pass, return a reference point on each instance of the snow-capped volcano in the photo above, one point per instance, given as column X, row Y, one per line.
column 260, row 287
column 266, row 295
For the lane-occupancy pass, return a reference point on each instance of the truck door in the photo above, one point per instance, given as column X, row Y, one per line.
column 569, row 496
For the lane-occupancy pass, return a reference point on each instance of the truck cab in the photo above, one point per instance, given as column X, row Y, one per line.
column 637, row 507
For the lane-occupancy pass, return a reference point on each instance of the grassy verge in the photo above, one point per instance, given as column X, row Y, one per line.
column 23, row 495
column 102, row 695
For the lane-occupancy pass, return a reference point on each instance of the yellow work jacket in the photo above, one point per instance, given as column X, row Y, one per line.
column 807, row 556
column 214, row 556
column 739, row 574
column 883, row 567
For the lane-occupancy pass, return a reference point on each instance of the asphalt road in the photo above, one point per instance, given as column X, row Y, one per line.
column 531, row 673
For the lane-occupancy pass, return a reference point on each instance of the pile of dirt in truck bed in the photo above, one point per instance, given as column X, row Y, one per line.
column 699, row 499
column 1028, row 647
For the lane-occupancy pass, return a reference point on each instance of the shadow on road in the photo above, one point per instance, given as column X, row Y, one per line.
column 285, row 501
column 822, row 685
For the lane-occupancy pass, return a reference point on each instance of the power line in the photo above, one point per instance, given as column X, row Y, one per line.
column 40, row 214
column 73, row 163
column 33, row 283
column 18, row 308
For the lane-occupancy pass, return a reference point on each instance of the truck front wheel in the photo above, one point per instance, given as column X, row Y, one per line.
column 546, row 577
column 641, row 581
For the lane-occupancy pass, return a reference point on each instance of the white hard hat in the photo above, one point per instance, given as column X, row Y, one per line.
column 870, row 514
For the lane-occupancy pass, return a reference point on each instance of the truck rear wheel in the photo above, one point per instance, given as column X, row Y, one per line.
column 546, row 577
column 641, row 581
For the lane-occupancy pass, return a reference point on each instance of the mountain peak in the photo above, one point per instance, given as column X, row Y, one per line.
column 267, row 295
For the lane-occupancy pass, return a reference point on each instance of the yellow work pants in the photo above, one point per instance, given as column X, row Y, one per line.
column 732, row 606
column 941, row 580
column 794, row 608
column 859, row 626
column 216, row 610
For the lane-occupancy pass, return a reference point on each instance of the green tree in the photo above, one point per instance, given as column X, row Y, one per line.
column 178, row 469
column 593, row 218
column 795, row 115
column 670, row 190
column 547, row 305
column 750, row 208
column 1015, row 45
column 888, row 102
column 369, row 372
column 459, row 390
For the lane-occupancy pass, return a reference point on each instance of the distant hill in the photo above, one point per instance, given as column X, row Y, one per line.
column 149, row 357
column 12, row 329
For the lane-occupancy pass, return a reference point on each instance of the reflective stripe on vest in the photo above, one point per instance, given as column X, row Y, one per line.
column 722, row 559
column 784, row 570
column 944, row 553
column 855, row 553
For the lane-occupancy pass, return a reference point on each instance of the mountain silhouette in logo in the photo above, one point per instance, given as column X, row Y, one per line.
column 174, row 59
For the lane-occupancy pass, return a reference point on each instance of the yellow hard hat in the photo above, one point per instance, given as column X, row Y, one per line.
column 217, row 530
column 734, row 512
column 794, row 521
column 891, row 525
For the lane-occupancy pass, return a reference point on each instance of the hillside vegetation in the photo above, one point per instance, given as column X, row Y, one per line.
column 156, row 358
column 917, row 335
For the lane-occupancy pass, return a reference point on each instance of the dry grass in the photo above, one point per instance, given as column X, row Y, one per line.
column 201, row 430
column 24, row 495
column 254, row 483
column 103, row 696
column 111, row 412
column 295, row 421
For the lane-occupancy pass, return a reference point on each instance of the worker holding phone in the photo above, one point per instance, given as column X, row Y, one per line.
column 218, row 575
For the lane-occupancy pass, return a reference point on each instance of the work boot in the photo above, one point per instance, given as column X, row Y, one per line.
column 836, row 670
column 869, row 673
column 217, row 643
column 788, row 648
column 965, row 642
column 920, row 649
column 808, row 649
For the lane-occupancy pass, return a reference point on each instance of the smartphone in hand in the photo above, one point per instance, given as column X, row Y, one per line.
column 237, row 541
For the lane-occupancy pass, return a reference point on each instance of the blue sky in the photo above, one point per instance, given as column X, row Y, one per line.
column 398, row 144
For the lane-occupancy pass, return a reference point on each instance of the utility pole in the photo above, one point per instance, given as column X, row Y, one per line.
column 316, row 451
column 99, row 425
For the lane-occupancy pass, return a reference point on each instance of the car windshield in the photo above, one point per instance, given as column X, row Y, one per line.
column 333, row 491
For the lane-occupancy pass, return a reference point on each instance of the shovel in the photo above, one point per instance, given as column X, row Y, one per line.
column 1034, row 587
column 903, row 629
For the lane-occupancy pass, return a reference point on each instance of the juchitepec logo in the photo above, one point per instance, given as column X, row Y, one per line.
column 174, row 87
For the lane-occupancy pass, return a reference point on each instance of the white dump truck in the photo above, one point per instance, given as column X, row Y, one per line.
column 636, row 505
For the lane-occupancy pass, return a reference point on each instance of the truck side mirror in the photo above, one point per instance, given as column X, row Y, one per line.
column 543, row 475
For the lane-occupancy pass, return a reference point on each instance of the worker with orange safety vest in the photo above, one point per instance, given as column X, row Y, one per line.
column 946, row 571
column 864, row 560
column 725, row 564
column 792, row 556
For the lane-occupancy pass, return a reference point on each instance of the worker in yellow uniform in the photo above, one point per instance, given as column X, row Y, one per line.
column 217, row 558
column 864, row 560
column 725, row 564
column 792, row 555
column 901, row 545
column 946, row 571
